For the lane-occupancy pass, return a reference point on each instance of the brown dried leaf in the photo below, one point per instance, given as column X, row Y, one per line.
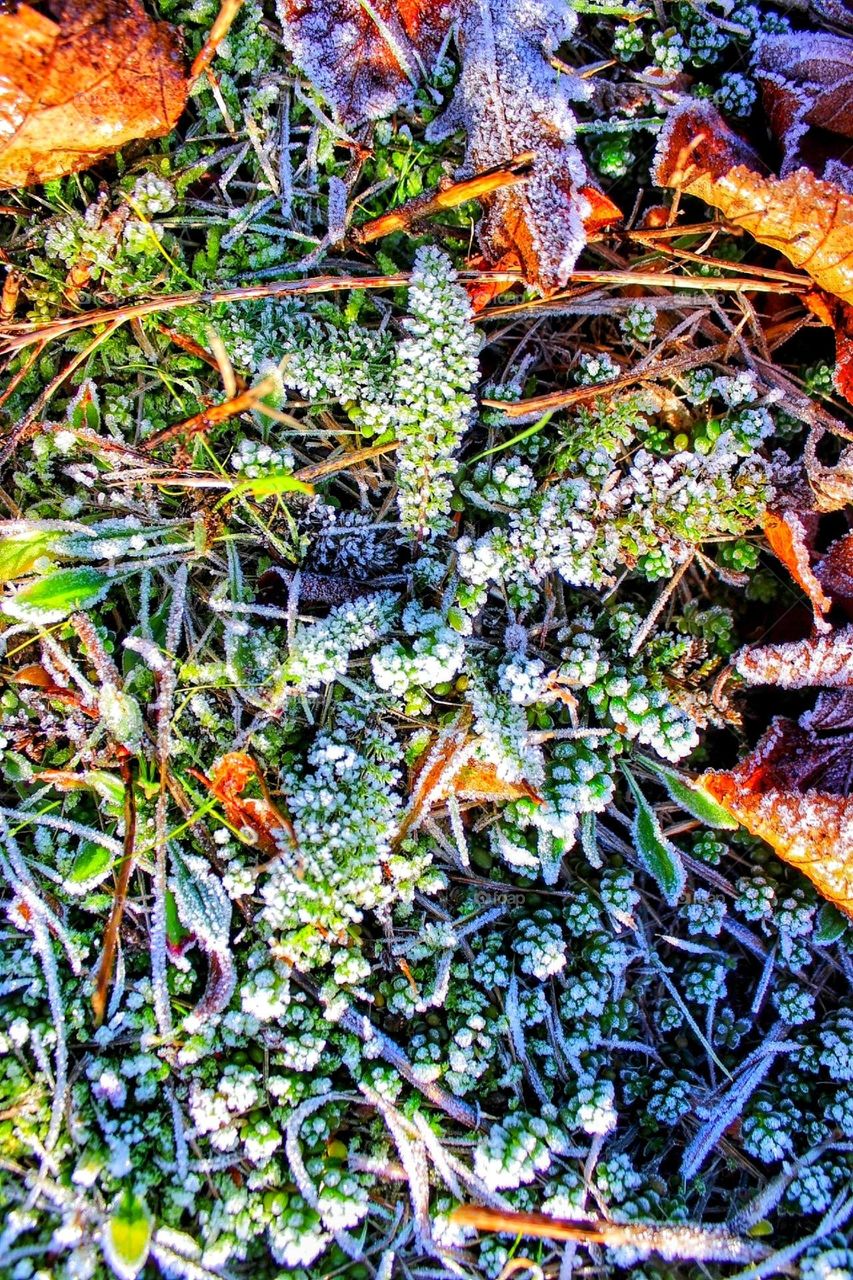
column 509, row 100
column 772, row 792
column 806, row 79
column 366, row 59
column 805, row 218
column 823, row 661
column 480, row 781
column 77, row 85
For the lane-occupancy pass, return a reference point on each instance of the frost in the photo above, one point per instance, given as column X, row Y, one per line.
column 511, row 100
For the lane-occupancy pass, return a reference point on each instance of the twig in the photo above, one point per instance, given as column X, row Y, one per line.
column 111, row 934
column 679, row 1242
column 482, row 184
column 640, row 373
column 211, row 417
column 217, row 33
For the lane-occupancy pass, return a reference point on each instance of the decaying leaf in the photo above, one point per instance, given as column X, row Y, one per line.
column 790, row 535
column 366, row 59
column 447, row 768
column 510, row 99
column 793, row 791
column 806, row 218
column 258, row 821
column 822, row 661
column 806, row 81
column 79, row 81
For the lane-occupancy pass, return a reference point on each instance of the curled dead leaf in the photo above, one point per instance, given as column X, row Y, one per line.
column 806, row 81
column 448, row 768
column 365, row 59
column 805, row 218
column 79, row 81
column 791, row 535
column 793, row 791
column 510, row 99
column 368, row 59
column 822, row 661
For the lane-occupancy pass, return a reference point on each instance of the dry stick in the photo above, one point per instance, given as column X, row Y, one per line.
column 196, row 349
column 218, row 32
column 686, row 1243
column 767, row 273
column 111, row 934
column 16, row 337
column 482, row 184
column 358, row 1024
column 654, row 372
column 317, row 469
column 211, row 417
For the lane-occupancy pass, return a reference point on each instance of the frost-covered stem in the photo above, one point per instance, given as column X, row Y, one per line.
column 44, row 951
column 359, row 1025
column 17, row 874
column 516, row 1031
column 167, row 681
column 413, row 1160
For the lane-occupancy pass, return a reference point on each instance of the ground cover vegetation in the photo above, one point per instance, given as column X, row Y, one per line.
column 427, row 736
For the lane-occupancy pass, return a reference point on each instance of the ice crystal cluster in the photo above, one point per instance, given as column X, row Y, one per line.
column 352, row 862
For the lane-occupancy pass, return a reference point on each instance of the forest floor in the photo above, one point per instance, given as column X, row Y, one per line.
column 426, row 729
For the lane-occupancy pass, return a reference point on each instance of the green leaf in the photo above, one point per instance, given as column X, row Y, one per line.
column 658, row 856
column 53, row 597
column 831, row 923
column 267, row 486
column 691, row 798
column 20, row 548
column 91, row 865
column 175, row 931
column 127, row 1233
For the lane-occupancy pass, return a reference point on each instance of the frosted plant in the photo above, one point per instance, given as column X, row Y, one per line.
column 514, row 1152
column 434, row 373
column 321, row 651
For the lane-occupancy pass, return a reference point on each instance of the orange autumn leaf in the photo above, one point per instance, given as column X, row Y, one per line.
column 792, row 792
column 258, row 821
column 790, row 535
column 79, row 80
column 804, row 217
column 448, row 769
column 602, row 212
column 839, row 317
column 480, row 781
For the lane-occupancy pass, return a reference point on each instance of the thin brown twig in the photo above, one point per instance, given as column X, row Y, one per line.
column 577, row 395
column 111, row 934
column 212, row 417
column 481, row 184
column 217, row 33
column 682, row 1241
column 30, row 422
